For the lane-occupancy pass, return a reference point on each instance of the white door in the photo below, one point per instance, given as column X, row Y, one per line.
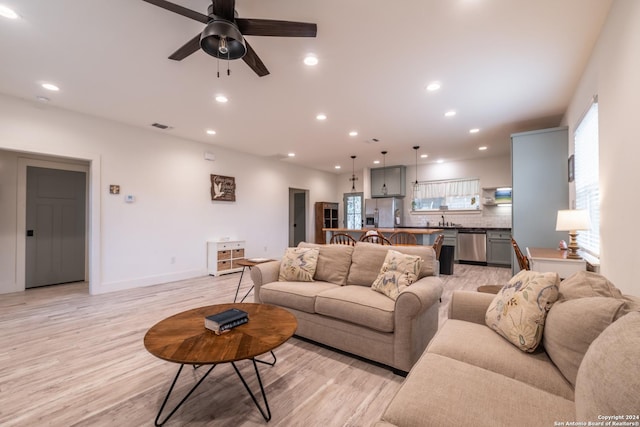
column 55, row 226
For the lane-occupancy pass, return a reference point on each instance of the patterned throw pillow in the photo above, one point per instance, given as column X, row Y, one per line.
column 398, row 271
column 519, row 310
column 298, row 265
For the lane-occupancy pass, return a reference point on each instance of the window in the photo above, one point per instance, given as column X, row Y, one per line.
column 454, row 194
column 353, row 210
column 587, row 177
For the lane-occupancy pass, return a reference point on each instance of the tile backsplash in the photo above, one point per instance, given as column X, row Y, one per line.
column 490, row 216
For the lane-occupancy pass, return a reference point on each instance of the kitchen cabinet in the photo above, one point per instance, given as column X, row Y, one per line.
column 395, row 177
column 326, row 217
column 496, row 196
column 499, row 247
column 222, row 257
column 540, row 187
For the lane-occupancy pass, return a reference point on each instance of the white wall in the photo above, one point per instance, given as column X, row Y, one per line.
column 173, row 215
column 613, row 74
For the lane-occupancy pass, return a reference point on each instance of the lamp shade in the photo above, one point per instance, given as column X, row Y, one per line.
column 573, row 219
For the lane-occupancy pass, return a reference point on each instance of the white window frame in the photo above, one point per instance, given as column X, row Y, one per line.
column 587, row 177
column 456, row 194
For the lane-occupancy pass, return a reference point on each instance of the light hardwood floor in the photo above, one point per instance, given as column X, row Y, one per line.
column 71, row 359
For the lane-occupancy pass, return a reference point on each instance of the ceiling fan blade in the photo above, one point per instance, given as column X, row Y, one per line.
column 187, row 49
column 269, row 27
column 253, row 60
column 172, row 7
column 224, row 9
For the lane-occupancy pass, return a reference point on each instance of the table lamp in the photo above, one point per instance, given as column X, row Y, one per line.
column 572, row 220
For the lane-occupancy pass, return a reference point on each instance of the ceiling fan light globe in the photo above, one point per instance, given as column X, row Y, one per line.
column 223, row 40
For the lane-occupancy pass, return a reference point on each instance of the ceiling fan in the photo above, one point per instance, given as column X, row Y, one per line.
column 223, row 36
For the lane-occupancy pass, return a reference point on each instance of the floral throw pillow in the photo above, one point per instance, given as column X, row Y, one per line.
column 519, row 310
column 398, row 271
column 299, row 265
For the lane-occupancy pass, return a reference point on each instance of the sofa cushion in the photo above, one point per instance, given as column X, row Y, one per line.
column 296, row 295
column 333, row 262
column 397, row 272
column 299, row 264
column 587, row 284
column 608, row 382
column 359, row 305
column 478, row 345
column 440, row 391
column 518, row 311
column 367, row 259
column 572, row 326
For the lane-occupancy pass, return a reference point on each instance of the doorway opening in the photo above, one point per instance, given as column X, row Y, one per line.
column 353, row 203
column 298, row 201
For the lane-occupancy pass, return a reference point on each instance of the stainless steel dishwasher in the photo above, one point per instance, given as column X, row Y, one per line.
column 472, row 246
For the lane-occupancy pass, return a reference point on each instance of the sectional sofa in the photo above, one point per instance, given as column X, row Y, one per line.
column 340, row 309
column 586, row 371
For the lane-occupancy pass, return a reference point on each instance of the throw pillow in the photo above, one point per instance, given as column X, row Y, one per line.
column 518, row 311
column 587, row 284
column 298, row 265
column 397, row 272
column 333, row 262
column 571, row 327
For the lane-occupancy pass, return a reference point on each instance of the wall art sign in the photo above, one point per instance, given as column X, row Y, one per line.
column 223, row 188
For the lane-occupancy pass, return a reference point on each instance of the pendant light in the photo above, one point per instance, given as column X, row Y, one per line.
column 384, row 173
column 354, row 178
column 415, row 184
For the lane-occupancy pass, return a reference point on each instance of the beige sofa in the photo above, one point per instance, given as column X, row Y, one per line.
column 339, row 308
column 587, row 370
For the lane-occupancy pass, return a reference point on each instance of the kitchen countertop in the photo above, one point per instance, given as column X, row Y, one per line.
column 412, row 230
column 458, row 227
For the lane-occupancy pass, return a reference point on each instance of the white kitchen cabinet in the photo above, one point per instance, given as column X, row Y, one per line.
column 222, row 257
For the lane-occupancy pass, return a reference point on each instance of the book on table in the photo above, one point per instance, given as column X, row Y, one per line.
column 226, row 320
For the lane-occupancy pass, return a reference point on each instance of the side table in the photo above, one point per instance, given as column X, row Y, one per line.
column 247, row 263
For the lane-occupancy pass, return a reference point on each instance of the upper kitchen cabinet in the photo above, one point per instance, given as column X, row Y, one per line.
column 394, row 177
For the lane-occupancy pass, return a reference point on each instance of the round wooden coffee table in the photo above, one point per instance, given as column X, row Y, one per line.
column 182, row 338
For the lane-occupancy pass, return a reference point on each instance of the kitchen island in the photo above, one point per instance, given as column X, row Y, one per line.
column 423, row 235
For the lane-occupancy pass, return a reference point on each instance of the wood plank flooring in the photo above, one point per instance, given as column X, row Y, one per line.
column 71, row 359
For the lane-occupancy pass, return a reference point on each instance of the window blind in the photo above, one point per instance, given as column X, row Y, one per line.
column 587, row 177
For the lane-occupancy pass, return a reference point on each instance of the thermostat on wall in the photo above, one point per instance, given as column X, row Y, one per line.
column 129, row 198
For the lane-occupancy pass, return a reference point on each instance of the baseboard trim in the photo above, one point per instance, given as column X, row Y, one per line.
column 106, row 287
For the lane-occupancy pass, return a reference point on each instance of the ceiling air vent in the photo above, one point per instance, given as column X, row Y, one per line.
column 161, row 126
column 372, row 141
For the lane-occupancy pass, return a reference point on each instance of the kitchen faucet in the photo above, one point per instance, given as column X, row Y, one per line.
column 442, row 220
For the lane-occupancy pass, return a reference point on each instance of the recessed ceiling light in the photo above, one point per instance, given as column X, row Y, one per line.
column 50, row 86
column 291, row 154
column 474, row 130
column 353, row 133
column 8, row 13
column 433, row 86
column 450, row 113
column 439, row 161
column 221, row 98
column 211, row 132
column 424, row 156
column 376, row 162
column 321, row 117
column 311, row 60
column 337, row 166
column 484, row 147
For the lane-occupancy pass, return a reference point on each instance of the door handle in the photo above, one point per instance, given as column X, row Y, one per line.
column 30, row 233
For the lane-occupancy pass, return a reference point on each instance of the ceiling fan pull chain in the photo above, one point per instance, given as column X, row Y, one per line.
column 228, row 70
column 218, row 63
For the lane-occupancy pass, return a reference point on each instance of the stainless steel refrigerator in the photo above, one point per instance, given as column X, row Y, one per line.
column 383, row 212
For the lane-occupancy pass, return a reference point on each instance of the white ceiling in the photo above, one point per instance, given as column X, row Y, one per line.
column 505, row 66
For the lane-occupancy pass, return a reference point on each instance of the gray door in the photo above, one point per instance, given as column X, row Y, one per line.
column 55, row 246
column 299, row 218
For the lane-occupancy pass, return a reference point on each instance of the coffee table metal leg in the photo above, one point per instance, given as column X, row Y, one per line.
column 164, row 403
column 240, row 283
column 268, row 363
column 267, row 415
